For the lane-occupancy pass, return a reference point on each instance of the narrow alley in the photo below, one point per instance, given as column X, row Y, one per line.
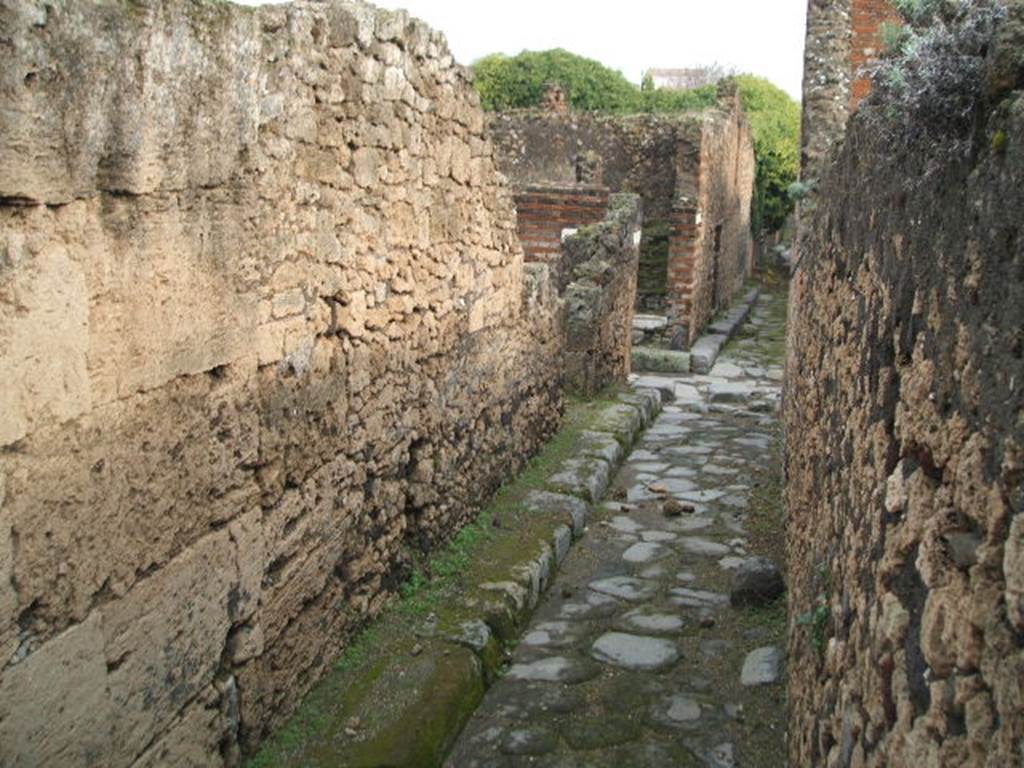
column 661, row 640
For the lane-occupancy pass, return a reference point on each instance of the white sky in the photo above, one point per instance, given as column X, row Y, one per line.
column 765, row 37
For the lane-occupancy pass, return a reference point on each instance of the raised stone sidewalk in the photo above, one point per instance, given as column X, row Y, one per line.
column 660, row 642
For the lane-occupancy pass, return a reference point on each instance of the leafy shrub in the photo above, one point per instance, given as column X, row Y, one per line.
column 930, row 84
column 511, row 82
column 517, row 82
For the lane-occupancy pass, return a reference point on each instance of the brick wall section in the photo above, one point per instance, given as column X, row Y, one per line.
column 544, row 212
column 842, row 36
column 683, row 251
column 265, row 329
column 905, row 453
column 866, row 45
column 600, row 298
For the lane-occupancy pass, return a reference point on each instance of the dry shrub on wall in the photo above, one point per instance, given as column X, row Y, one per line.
column 930, row 84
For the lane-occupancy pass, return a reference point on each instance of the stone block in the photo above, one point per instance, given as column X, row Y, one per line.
column 705, row 351
column 163, row 640
column 572, row 510
column 55, row 705
column 653, row 359
column 586, row 478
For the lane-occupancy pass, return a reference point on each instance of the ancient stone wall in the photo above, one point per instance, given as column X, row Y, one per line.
column 677, row 164
column 905, row 466
column 264, row 328
column 599, row 301
column 842, row 37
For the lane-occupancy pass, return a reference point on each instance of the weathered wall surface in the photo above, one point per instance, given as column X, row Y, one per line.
column 263, row 326
column 599, row 300
column 842, row 37
column 905, row 461
column 693, row 172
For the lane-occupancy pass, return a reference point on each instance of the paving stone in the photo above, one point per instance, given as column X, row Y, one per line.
column 702, row 496
column 687, row 393
column 726, row 369
column 635, row 651
column 641, row 455
column 650, row 467
column 553, row 634
column 644, row 621
column 697, row 598
column 625, row 524
column 676, row 486
column 655, row 572
column 554, row 669
column 658, row 536
column 645, row 552
column 700, row 546
column 638, row 493
column 693, row 523
column 533, row 741
column 714, row 469
column 721, row 756
column 593, row 605
column 678, row 710
column 628, row 622
column 681, row 472
column 731, row 392
column 624, row 587
column 762, row 666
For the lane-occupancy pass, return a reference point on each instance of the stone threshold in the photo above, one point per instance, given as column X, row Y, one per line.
column 702, row 354
column 406, row 707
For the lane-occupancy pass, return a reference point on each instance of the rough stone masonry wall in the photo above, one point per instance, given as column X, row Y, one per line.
column 905, row 470
column 600, row 299
column 264, row 326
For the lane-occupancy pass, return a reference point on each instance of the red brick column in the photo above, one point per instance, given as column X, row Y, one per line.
column 868, row 17
column 683, row 246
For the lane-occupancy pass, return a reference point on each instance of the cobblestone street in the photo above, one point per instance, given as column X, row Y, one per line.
column 661, row 641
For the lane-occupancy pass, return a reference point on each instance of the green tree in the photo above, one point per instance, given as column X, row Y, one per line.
column 775, row 123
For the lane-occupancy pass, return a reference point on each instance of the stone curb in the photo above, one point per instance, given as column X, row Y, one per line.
column 702, row 355
column 495, row 613
column 705, row 350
